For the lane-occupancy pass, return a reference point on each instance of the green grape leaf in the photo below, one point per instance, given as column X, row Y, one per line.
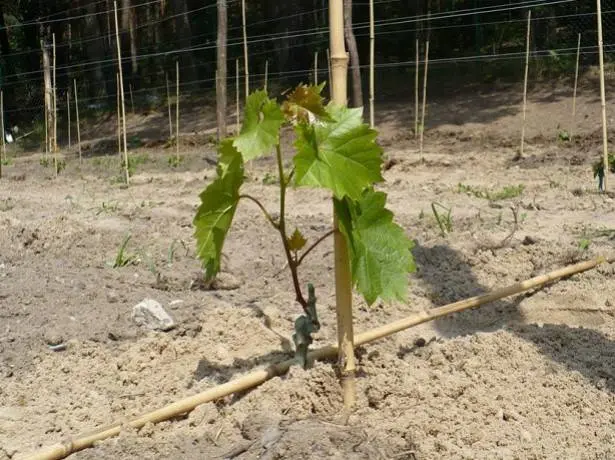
column 297, row 241
column 260, row 132
column 341, row 155
column 218, row 204
column 305, row 105
column 379, row 249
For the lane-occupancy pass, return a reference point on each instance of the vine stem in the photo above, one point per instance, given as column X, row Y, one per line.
column 292, row 262
column 313, row 246
column 271, row 220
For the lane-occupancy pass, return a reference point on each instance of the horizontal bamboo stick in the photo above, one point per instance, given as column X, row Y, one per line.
column 62, row 450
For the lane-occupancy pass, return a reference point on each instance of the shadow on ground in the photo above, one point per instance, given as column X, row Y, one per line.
column 450, row 279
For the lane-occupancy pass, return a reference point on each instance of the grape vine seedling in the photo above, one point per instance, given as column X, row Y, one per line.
column 334, row 150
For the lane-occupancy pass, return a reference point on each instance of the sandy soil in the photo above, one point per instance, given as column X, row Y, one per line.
column 529, row 377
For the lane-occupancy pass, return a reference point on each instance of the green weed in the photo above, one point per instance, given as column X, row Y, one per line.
column 508, row 192
column 445, row 221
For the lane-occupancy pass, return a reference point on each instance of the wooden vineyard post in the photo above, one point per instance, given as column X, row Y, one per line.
column 177, row 111
column 372, row 52
column 605, row 142
column 574, row 91
column 527, row 65
column 424, row 106
column 221, row 69
column 266, row 73
column 55, row 109
column 77, row 115
column 123, row 103
column 132, row 100
column 416, row 91
column 166, row 76
column 3, row 158
column 245, row 48
column 343, row 279
column 237, row 94
column 47, row 82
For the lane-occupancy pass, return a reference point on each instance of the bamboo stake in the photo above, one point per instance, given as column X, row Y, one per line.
column 416, row 91
column 55, row 109
column 119, row 115
column 253, row 379
column 527, row 66
column 237, row 94
column 372, row 52
column 3, row 158
column 605, row 146
column 266, row 73
column 343, row 279
column 574, row 91
column 77, row 114
column 132, row 101
column 119, row 62
column 177, row 111
column 316, row 70
column 166, row 76
column 69, row 120
column 245, row 47
column 47, row 98
column 422, row 127
column 329, row 67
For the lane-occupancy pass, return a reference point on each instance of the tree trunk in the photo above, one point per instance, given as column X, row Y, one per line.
column 221, row 72
column 351, row 42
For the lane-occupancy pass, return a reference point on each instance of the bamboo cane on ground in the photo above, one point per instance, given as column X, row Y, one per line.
column 255, row 378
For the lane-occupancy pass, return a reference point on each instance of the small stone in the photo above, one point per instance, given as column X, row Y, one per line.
column 420, row 342
column 526, row 436
column 225, row 282
column 150, row 314
column 528, row 241
column 112, row 297
column 53, row 339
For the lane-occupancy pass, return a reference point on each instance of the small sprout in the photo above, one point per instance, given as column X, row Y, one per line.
column 445, row 221
column 123, row 258
column 584, row 244
column 174, row 161
column 270, row 179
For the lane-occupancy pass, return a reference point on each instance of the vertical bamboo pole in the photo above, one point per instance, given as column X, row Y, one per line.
column 329, row 67
column 605, row 146
column 123, row 103
column 132, row 100
column 527, row 66
column 177, row 110
column 166, row 76
column 55, row 109
column 266, row 73
column 315, row 67
column 372, row 52
column 237, row 94
column 343, row 280
column 70, row 145
column 422, row 127
column 77, row 115
column 416, row 91
column 245, row 47
column 574, row 91
column 119, row 114
column 3, row 158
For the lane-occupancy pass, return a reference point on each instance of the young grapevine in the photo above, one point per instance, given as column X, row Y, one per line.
column 335, row 150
